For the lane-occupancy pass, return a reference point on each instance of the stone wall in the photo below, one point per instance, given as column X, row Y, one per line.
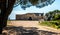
column 29, row 16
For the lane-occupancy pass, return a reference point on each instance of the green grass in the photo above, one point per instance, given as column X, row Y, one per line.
column 54, row 24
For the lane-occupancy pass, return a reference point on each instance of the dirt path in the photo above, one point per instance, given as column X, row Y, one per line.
column 32, row 24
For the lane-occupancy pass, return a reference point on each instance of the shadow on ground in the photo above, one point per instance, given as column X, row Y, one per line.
column 25, row 31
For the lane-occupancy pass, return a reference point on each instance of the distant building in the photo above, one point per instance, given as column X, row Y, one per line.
column 30, row 16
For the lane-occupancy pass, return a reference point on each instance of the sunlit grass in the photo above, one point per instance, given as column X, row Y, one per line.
column 53, row 24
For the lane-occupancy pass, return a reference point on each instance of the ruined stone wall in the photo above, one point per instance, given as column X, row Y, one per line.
column 28, row 16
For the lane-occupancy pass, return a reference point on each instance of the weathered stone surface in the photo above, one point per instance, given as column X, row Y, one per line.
column 30, row 16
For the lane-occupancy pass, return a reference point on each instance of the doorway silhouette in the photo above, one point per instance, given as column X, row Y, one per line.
column 30, row 18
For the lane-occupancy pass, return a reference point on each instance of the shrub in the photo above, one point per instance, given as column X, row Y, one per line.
column 54, row 24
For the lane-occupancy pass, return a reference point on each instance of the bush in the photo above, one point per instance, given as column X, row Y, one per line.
column 54, row 24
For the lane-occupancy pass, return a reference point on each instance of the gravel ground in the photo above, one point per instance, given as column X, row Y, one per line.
column 29, row 28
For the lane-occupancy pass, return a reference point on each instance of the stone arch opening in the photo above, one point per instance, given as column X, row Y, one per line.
column 30, row 18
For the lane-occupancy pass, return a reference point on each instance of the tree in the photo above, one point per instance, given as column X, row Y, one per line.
column 7, row 6
column 55, row 15
column 5, row 11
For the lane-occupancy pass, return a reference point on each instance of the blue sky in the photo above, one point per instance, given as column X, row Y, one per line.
column 33, row 9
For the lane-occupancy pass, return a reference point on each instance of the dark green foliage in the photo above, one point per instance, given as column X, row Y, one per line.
column 34, row 2
column 43, row 0
column 55, row 15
